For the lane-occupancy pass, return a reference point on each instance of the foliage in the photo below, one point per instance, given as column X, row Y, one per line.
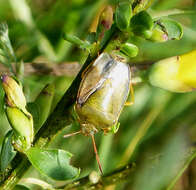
column 156, row 138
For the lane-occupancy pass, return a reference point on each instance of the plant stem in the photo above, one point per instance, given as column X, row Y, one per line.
column 33, row 68
column 112, row 178
column 16, row 174
column 190, row 158
column 171, row 12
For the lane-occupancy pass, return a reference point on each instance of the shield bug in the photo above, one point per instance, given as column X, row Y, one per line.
column 102, row 95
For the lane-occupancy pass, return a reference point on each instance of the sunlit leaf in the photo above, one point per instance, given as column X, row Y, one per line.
column 53, row 163
column 174, row 29
column 141, row 24
column 123, row 15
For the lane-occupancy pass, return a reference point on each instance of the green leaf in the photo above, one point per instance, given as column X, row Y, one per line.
column 142, row 19
column 53, row 163
column 35, row 112
column 141, row 24
column 123, row 15
column 7, row 151
column 41, row 107
column 75, row 40
column 129, row 49
column 172, row 28
column 21, row 187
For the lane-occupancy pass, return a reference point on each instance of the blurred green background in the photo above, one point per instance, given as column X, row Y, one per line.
column 157, row 133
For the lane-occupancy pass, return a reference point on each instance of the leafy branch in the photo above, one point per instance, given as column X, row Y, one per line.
column 60, row 118
column 111, row 37
column 55, row 123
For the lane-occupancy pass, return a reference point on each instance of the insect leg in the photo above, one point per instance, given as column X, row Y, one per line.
column 96, row 153
column 72, row 134
column 131, row 98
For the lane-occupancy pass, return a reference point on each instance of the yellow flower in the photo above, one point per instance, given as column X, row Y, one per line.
column 176, row 74
column 187, row 69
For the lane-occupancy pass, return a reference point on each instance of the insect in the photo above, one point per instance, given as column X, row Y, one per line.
column 102, row 95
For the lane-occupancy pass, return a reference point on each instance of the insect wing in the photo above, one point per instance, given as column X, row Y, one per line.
column 120, row 80
column 94, row 77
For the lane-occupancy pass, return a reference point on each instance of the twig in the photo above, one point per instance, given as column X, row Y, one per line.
column 109, row 179
column 37, row 68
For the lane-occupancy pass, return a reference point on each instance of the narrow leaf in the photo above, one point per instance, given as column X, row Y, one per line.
column 7, row 151
column 41, row 107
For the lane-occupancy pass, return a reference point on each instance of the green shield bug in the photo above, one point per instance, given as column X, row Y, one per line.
column 102, row 95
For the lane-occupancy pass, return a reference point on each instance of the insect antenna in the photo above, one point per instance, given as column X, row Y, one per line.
column 72, row 134
column 96, row 153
